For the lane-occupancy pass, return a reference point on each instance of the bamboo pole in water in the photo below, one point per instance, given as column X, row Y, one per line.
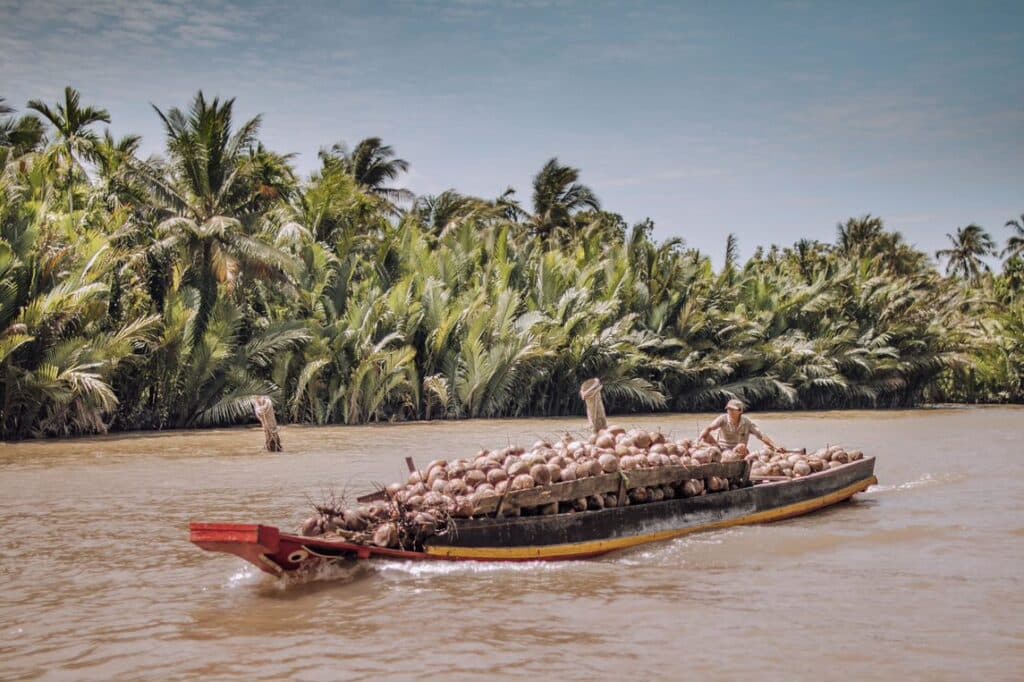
column 263, row 406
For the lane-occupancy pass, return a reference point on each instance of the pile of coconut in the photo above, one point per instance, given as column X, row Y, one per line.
column 767, row 465
column 423, row 506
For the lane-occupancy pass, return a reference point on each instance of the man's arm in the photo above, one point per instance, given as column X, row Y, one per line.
column 705, row 435
column 763, row 438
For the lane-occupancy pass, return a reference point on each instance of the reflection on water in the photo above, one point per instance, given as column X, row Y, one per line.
column 915, row 577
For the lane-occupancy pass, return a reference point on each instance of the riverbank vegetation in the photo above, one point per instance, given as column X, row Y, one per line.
column 170, row 291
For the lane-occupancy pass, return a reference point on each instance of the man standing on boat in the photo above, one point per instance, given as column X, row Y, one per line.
column 734, row 430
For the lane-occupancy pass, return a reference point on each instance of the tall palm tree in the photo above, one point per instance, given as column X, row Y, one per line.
column 557, row 197
column 1015, row 244
column 858, row 236
column 965, row 255
column 71, row 121
column 210, row 181
column 373, row 164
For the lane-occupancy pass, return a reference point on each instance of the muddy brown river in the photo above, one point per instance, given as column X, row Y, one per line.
column 918, row 578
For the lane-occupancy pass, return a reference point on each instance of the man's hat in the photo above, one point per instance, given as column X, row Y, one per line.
column 734, row 405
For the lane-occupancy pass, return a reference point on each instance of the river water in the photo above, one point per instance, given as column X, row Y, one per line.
column 918, row 578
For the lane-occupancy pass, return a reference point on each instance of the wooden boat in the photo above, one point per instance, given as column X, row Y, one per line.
column 560, row 536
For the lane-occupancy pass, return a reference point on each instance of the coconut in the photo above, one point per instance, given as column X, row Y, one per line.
column 548, row 509
column 657, row 494
column 610, row 501
column 522, row 482
column 554, row 473
column 457, row 487
column 508, row 461
column 518, row 468
column 671, row 448
column 715, row 453
column 614, row 429
column 568, row 472
column 690, row 489
column 386, row 535
column 659, row 448
column 670, row 492
column 540, row 474
column 595, row 502
column 702, row 456
column 793, row 459
column 684, row 443
column 496, row 476
column 463, row 507
column 638, row 495
column 854, row 455
column 609, row 463
column 440, row 486
column 436, row 463
column 801, row 468
column 474, row 477
column 642, row 438
column 840, row 456
column 834, row 465
column 580, row 504
column 434, row 499
column 310, row 527
column 414, row 502
column 605, row 440
column 415, row 477
column 532, row 459
column 540, row 445
column 424, row 523
column 575, row 446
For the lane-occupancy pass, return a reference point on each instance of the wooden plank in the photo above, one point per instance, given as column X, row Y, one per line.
column 608, row 483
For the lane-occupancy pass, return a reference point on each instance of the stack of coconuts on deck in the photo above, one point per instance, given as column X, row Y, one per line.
column 768, row 465
column 407, row 513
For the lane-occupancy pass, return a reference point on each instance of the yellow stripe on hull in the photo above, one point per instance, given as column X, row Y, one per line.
column 602, row 546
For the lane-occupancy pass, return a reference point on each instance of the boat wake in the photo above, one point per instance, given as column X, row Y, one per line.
column 927, row 480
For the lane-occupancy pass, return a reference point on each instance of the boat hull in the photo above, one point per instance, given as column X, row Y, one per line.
column 561, row 536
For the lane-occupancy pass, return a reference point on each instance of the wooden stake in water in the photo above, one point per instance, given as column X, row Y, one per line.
column 263, row 406
column 590, row 391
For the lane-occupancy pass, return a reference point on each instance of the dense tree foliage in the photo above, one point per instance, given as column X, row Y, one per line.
column 169, row 292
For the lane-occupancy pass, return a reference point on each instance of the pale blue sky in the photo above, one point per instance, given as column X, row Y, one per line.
column 773, row 120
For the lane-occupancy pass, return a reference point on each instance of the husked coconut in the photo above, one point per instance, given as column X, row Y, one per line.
column 554, row 472
column 610, row 501
column 540, row 474
column 659, row 448
column 580, row 504
column 386, row 535
column 609, row 463
column 642, row 439
column 518, row 469
column 605, row 440
column 496, row 476
column 440, row 485
column 415, row 477
column 457, row 487
column 569, row 472
column 595, row 502
column 854, row 455
column 522, row 482
column 310, row 527
column 657, row 494
column 474, row 477
column 801, row 468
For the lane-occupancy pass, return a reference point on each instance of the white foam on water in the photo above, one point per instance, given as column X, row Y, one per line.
column 248, row 575
column 430, row 568
column 921, row 482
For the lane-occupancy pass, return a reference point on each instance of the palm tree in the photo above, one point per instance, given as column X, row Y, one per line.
column 372, row 163
column 71, row 121
column 964, row 257
column 211, row 180
column 557, row 197
column 1015, row 244
column 449, row 209
column 858, row 236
